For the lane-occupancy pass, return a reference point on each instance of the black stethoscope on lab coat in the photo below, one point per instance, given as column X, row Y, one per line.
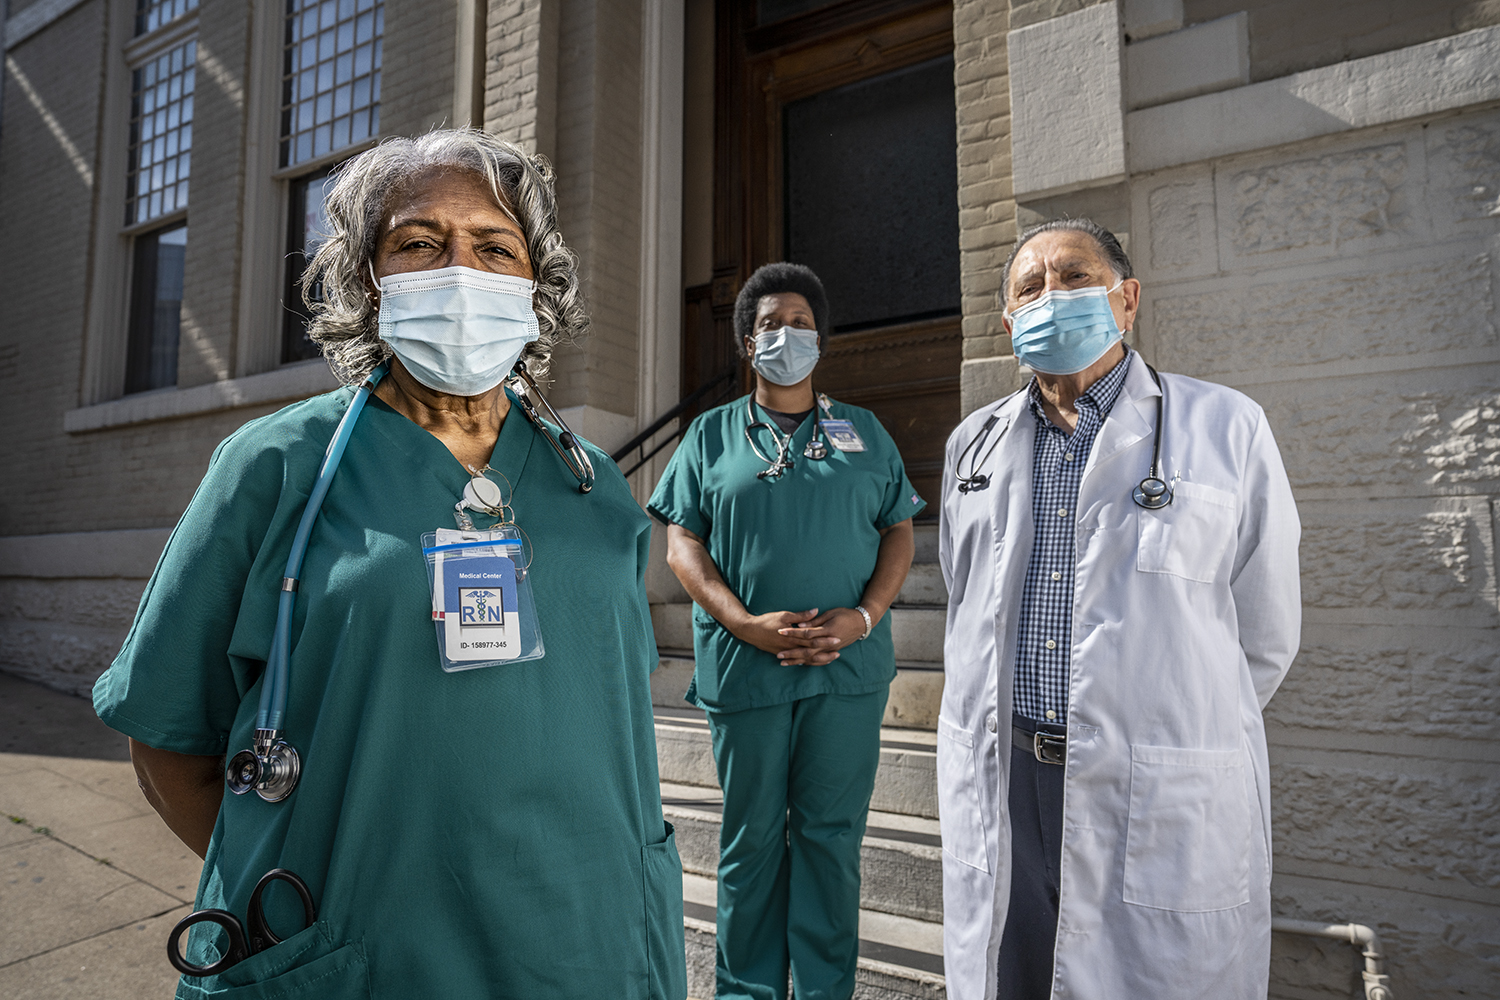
column 1152, row 493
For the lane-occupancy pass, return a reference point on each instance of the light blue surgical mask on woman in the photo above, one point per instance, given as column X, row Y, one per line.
column 457, row 330
column 1062, row 332
column 786, row 356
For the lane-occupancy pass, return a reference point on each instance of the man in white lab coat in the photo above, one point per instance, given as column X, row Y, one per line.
column 1116, row 624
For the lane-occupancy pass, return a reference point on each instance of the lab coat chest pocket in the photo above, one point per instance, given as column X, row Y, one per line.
column 1189, row 536
column 960, row 820
column 1187, row 847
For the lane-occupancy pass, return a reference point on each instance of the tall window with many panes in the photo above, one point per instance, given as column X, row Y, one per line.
column 330, row 103
column 161, row 144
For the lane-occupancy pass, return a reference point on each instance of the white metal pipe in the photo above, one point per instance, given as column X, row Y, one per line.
column 1377, row 983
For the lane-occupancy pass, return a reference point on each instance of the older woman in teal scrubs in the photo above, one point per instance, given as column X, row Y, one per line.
column 495, row 832
column 792, row 557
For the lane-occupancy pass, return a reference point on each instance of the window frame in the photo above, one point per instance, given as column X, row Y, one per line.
column 107, row 320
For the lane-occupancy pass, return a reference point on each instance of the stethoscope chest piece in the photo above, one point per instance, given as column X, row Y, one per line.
column 271, row 769
column 1152, row 493
column 815, row 450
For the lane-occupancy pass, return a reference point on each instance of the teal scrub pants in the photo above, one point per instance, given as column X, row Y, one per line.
column 797, row 780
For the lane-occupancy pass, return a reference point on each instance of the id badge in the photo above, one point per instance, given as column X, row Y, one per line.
column 842, row 435
column 482, row 604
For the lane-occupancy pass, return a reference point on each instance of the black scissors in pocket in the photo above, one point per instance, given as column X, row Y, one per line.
column 255, row 935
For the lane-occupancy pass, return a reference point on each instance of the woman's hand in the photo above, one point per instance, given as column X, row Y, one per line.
column 817, row 640
column 769, row 631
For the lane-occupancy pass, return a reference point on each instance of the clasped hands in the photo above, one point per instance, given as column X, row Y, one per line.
column 802, row 638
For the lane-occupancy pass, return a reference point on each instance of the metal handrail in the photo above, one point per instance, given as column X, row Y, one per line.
column 639, row 441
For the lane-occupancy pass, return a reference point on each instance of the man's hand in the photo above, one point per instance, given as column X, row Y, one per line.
column 817, row 639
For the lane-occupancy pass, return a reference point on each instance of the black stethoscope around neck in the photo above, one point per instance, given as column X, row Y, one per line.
column 815, row 448
column 1152, row 493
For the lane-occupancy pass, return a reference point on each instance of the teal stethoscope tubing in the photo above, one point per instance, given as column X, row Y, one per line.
column 278, row 666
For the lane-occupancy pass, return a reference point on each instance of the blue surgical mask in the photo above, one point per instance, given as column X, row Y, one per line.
column 786, row 356
column 457, row 330
column 1063, row 332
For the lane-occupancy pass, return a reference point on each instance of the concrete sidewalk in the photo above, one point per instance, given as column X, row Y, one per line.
column 91, row 881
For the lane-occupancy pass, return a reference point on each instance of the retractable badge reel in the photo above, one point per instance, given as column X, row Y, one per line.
column 482, row 605
column 841, row 433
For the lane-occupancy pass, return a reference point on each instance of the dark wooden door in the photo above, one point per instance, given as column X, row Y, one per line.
column 835, row 147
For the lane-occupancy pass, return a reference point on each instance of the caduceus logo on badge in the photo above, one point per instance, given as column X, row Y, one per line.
column 481, row 607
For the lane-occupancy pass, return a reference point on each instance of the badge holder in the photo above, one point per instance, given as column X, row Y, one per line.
column 482, row 605
column 841, row 433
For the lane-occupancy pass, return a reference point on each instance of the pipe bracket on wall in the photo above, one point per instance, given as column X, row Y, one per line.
column 1377, row 984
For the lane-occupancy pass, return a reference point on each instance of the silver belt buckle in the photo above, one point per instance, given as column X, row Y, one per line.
column 1050, row 748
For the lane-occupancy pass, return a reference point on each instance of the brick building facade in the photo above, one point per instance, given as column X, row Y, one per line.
column 1310, row 193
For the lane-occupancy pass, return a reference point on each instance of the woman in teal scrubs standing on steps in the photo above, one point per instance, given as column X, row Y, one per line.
column 789, row 524
column 490, row 832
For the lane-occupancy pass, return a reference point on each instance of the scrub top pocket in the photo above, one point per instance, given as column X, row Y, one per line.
column 661, row 871
column 306, row 966
column 1189, row 537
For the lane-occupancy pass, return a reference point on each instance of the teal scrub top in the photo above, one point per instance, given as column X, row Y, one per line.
column 495, row 832
column 808, row 539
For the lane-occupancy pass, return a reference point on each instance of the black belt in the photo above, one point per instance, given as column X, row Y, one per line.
column 1049, row 748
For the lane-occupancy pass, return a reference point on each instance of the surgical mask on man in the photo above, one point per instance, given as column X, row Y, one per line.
column 786, row 356
column 1062, row 332
column 457, row 330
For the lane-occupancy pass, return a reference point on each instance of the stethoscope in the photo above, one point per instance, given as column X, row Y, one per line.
column 272, row 765
column 1152, row 493
column 815, row 449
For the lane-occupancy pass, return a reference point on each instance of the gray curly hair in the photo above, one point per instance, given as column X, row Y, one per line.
column 345, row 321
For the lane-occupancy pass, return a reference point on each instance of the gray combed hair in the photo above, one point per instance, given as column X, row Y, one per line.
column 345, row 321
column 1109, row 248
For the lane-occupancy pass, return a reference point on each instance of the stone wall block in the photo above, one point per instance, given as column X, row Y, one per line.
column 104, row 603
column 1392, row 561
column 1236, row 326
column 1181, row 238
column 1438, row 427
column 1275, row 211
column 1464, row 161
column 1385, row 681
column 1439, row 826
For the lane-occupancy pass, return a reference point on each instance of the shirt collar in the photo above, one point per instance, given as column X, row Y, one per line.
column 1101, row 395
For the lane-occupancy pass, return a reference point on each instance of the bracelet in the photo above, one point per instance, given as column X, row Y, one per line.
column 869, row 625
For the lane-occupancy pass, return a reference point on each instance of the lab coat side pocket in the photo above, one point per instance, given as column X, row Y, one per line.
column 960, row 820
column 1187, row 847
column 1188, row 537
column 666, row 951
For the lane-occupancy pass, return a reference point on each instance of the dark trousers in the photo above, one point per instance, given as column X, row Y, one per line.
column 1024, row 969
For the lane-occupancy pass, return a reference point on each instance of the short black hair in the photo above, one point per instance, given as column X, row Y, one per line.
column 1109, row 248
column 770, row 279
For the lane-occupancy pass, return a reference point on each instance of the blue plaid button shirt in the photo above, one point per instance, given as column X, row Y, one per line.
column 1045, row 631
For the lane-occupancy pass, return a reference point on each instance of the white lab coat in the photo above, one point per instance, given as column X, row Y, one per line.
column 1185, row 621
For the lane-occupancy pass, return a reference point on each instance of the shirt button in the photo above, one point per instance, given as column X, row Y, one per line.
column 1051, row 714
column 1056, row 575
column 991, row 724
column 1069, row 456
column 1051, row 643
column 1062, row 512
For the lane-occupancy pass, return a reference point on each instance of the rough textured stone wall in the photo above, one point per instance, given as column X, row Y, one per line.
column 986, row 208
column 1349, row 285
